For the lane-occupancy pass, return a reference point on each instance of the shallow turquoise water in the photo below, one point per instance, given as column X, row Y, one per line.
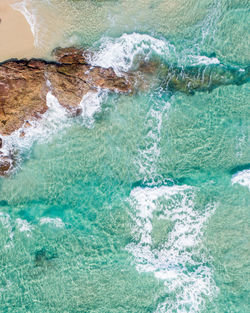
column 144, row 206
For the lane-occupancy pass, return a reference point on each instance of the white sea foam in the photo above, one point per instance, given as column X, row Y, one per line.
column 208, row 26
column 56, row 222
column 122, row 52
column 12, row 225
column 201, row 59
column 30, row 12
column 180, row 260
column 125, row 52
column 242, row 178
column 54, row 119
column 24, row 226
column 91, row 105
column 148, row 156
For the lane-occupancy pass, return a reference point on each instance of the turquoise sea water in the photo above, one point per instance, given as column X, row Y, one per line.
column 142, row 203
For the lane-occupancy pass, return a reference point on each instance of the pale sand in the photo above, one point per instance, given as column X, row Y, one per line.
column 16, row 38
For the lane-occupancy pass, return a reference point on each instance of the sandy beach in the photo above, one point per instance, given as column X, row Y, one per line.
column 17, row 40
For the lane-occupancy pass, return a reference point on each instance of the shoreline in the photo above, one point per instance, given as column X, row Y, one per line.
column 17, row 40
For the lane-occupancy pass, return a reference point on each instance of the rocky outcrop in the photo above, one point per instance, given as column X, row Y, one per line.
column 22, row 93
column 24, row 85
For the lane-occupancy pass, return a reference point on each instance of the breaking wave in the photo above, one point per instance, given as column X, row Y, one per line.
column 168, row 232
column 125, row 52
column 242, row 178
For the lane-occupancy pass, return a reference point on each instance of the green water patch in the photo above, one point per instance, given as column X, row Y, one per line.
column 206, row 133
column 200, row 77
column 235, row 47
column 203, row 78
column 228, row 243
column 72, row 258
column 113, row 18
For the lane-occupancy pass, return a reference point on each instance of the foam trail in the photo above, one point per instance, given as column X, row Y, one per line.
column 149, row 155
column 241, row 140
column 5, row 222
column 209, row 25
column 242, row 178
column 180, row 260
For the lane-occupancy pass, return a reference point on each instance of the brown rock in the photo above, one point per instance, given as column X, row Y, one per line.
column 70, row 55
column 5, row 165
column 23, row 94
column 24, row 85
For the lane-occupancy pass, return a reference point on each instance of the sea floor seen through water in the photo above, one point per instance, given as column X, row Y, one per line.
column 142, row 203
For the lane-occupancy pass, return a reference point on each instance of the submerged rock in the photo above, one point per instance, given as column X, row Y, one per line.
column 44, row 256
column 188, row 80
column 204, row 78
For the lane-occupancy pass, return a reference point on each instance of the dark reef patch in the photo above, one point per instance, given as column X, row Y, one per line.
column 44, row 256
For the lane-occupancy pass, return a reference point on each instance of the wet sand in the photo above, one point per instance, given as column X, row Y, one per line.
column 16, row 38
